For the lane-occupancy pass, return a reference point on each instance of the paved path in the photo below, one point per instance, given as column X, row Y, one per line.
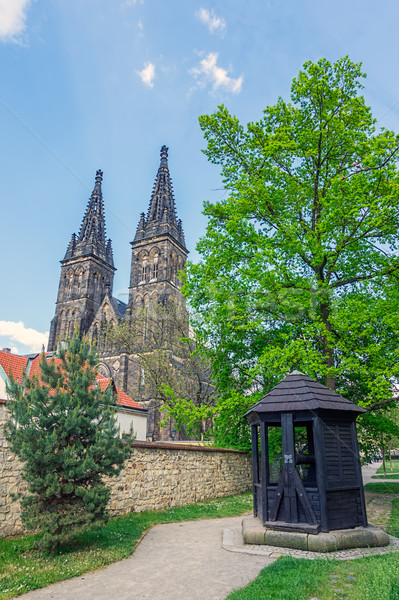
column 179, row 561
column 369, row 470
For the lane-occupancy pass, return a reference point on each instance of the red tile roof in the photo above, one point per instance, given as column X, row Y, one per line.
column 122, row 399
column 13, row 363
column 17, row 364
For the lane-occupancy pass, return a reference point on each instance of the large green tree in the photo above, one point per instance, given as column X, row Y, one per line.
column 63, row 428
column 299, row 266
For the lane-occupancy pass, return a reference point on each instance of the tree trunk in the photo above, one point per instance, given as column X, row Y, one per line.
column 328, row 351
column 383, row 456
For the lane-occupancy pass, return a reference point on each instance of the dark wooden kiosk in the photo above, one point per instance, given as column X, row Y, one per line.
column 306, row 466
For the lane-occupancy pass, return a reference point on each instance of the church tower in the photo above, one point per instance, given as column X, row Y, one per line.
column 87, row 273
column 158, row 250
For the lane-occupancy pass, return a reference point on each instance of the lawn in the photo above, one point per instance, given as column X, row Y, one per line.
column 382, row 487
column 395, row 467
column 387, row 476
column 22, row 568
column 371, row 578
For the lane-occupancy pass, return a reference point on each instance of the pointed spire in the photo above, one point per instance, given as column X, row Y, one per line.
column 71, row 248
column 91, row 240
column 162, row 193
column 93, row 224
column 161, row 216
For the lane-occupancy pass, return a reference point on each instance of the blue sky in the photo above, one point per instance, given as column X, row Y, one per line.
column 103, row 84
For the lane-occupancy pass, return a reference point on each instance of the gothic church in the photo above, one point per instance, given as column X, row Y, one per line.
column 87, row 270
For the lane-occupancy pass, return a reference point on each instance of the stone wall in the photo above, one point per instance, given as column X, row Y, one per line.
column 10, row 483
column 161, row 475
column 157, row 476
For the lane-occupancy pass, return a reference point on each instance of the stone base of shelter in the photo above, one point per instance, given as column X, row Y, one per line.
column 340, row 539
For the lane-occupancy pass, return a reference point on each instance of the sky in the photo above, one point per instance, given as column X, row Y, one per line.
column 103, row 84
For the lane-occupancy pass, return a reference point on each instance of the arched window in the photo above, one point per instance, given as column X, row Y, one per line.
column 70, row 276
column 143, row 267
column 146, row 304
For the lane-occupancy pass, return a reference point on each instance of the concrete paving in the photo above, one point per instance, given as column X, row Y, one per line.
column 179, row 561
column 369, row 470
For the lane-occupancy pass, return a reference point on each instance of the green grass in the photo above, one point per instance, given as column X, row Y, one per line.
column 387, row 476
column 23, row 568
column 395, row 467
column 371, row 578
column 382, row 487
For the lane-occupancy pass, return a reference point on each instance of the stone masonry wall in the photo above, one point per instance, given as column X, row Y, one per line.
column 161, row 475
column 157, row 476
column 10, row 483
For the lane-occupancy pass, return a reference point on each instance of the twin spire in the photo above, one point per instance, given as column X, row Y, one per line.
column 91, row 240
column 93, row 224
column 161, row 218
column 161, row 215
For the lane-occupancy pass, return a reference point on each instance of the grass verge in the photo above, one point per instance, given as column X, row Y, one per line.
column 395, row 467
column 22, row 568
column 382, row 487
column 387, row 476
column 371, row 578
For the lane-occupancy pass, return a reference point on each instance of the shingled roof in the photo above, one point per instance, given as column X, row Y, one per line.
column 298, row 392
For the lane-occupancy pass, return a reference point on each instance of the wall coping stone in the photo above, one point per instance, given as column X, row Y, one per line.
column 178, row 446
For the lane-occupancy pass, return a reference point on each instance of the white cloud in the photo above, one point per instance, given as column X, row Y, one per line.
column 208, row 18
column 147, row 74
column 12, row 18
column 17, row 332
column 208, row 70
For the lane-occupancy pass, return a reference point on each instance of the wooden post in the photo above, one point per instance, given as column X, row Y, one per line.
column 290, row 500
column 264, row 466
column 255, row 466
column 318, row 438
column 358, row 471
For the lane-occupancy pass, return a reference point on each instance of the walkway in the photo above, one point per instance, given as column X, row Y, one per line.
column 179, row 561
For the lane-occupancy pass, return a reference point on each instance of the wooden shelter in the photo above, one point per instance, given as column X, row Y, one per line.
column 306, row 466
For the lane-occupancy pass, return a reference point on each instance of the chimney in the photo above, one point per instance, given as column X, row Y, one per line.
column 8, row 350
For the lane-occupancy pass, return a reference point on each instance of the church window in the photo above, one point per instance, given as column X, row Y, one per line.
column 142, row 378
column 155, row 271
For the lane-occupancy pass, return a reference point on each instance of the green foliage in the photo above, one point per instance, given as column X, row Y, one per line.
column 231, row 429
column 300, row 260
column 63, row 429
column 24, row 568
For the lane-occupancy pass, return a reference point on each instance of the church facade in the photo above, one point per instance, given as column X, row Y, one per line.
column 85, row 297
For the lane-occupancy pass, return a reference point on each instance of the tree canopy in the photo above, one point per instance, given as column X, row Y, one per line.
column 63, row 428
column 299, row 265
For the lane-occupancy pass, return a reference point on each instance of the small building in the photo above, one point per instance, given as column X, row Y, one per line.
column 306, row 467
column 129, row 413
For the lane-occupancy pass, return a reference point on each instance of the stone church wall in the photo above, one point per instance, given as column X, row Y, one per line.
column 158, row 475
